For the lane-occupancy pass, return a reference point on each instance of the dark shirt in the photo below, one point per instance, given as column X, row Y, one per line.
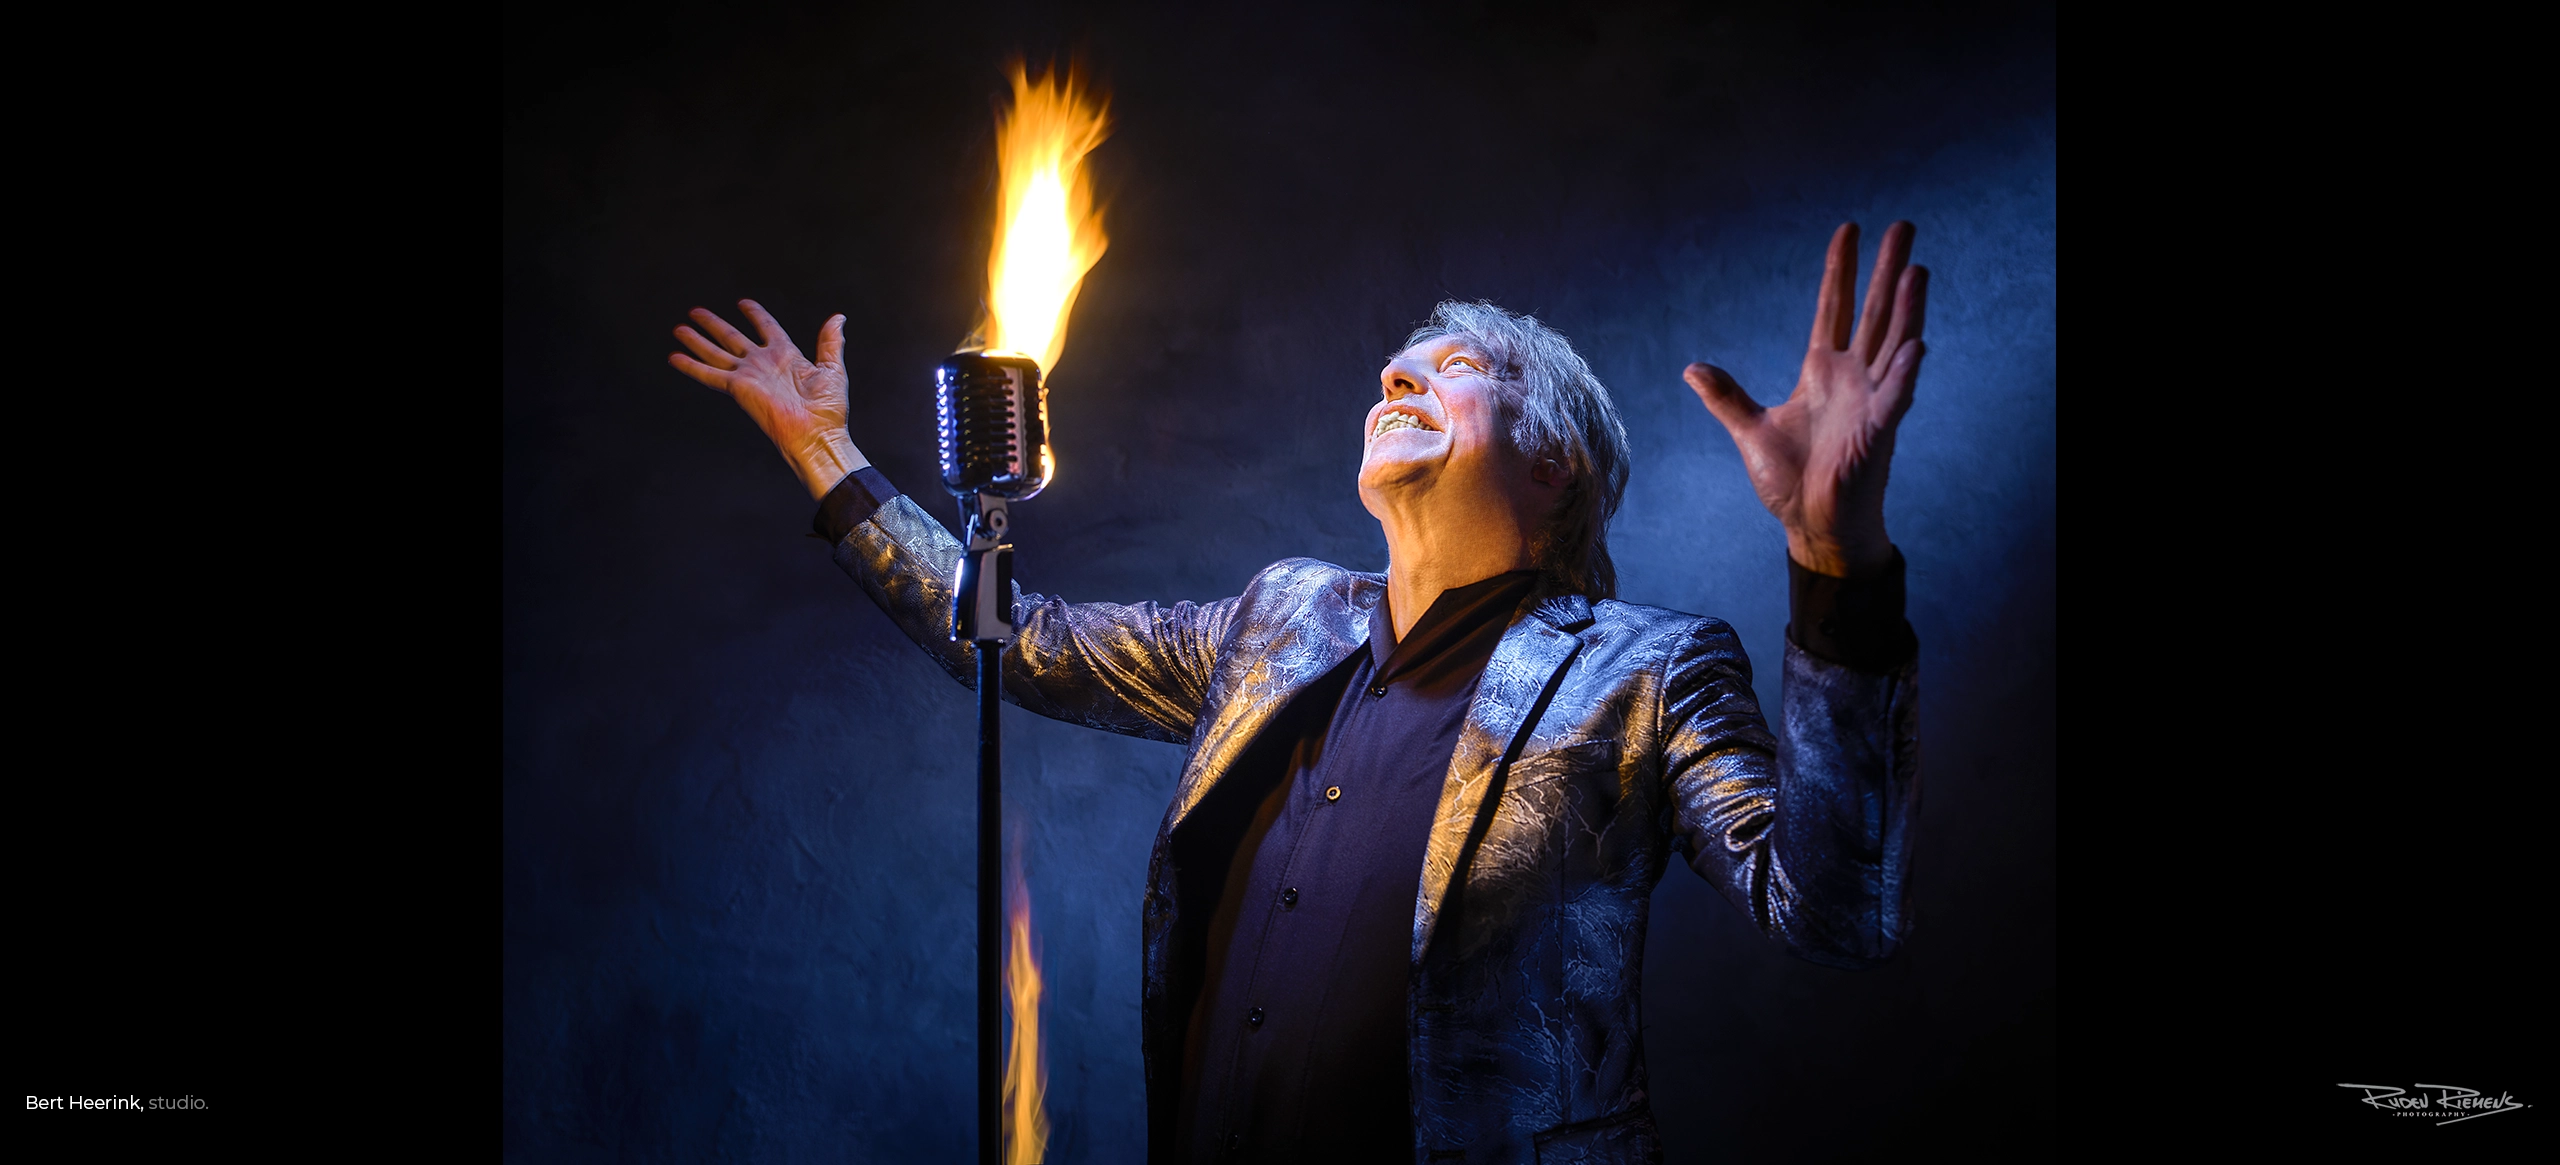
column 1296, row 1049
column 1297, row 1046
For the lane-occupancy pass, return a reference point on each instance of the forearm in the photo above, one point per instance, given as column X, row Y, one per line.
column 1804, row 823
column 1847, row 791
column 903, row 559
column 1847, row 764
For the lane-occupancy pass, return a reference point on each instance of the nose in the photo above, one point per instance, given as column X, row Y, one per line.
column 1400, row 378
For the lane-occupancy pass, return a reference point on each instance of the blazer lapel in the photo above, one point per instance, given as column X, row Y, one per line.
column 1263, row 677
column 1519, row 679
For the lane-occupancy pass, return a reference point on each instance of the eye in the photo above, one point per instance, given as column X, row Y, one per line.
column 1466, row 362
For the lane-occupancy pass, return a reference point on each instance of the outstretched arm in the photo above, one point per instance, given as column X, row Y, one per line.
column 1807, row 828
column 1140, row 670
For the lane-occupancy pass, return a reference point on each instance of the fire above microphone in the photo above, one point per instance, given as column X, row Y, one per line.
column 991, row 411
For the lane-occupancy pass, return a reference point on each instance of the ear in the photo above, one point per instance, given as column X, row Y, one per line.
column 1551, row 473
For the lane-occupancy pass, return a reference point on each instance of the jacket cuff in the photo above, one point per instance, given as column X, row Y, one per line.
column 850, row 504
column 1856, row 621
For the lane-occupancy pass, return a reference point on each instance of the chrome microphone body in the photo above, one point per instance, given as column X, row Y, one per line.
column 992, row 414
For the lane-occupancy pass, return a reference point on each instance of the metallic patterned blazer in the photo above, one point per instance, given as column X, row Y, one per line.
column 1604, row 737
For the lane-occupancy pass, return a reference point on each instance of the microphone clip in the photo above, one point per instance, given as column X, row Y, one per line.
column 982, row 595
column 989, row 521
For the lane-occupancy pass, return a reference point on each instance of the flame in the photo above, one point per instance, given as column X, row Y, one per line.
column 1048, row 233
column 1026, row 1070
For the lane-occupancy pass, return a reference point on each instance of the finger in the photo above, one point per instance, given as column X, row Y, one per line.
column 1839, row 273
column 831, row 341
column 709, row 376
column 765, row 325
column 1891, row 256
column 730, row 338
column 1910, row 308
column 1901, row 380
column 709, row 352
column 1723, row 398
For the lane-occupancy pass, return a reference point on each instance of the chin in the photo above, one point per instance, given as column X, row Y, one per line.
column 1395, row 473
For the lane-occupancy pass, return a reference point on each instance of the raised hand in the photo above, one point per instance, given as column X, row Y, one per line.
column 1819, row 460
column 799, row 403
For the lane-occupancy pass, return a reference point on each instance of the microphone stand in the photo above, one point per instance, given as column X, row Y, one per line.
column 982, row 613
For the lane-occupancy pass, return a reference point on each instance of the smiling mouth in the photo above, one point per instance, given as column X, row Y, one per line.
column 1399, row 419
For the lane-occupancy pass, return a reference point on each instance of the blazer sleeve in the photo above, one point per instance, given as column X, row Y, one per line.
column 1139, row 670
column 1808, row 829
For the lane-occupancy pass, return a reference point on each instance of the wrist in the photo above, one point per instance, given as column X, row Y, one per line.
column 1840, row 557
column 825, row 459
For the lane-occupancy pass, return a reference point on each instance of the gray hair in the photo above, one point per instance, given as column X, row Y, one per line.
column 1559, row 410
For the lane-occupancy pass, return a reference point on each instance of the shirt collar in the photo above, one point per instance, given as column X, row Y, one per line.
column 1457, row 613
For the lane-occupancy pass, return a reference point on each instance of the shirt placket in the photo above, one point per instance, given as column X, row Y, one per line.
column 1312, row 795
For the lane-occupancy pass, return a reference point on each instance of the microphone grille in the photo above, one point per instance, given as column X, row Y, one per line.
column 991, row 422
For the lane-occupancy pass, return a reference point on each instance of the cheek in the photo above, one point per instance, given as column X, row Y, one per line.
column 1483, row 405
column 1488, row 427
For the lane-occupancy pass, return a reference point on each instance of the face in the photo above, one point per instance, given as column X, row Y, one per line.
column 1441, row 424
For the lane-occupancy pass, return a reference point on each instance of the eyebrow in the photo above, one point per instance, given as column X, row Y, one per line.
column 1444, row 347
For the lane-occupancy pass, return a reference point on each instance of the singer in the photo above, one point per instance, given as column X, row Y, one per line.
column 1396, row 911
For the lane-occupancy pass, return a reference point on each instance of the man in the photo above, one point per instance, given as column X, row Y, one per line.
column 1396, row 911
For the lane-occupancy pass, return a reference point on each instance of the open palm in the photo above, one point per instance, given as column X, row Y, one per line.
column 1819, row 460
column 800, row 403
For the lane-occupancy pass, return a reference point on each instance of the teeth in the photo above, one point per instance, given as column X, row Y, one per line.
column 1394, row 421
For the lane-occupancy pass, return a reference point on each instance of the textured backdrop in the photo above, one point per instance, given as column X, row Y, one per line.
column 737, row 804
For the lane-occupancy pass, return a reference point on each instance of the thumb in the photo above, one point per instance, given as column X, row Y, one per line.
column 1723, row 397
column 831, row 340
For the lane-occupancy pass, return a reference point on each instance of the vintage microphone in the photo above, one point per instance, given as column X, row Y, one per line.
column 992, row 414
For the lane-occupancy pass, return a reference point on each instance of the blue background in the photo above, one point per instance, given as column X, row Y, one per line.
column 737, row 803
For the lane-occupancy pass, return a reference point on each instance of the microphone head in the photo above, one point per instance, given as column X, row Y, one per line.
column 992, row 413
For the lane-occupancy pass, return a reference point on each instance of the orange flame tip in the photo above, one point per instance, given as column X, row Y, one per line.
column 1026, row 1070
column 1048, row 233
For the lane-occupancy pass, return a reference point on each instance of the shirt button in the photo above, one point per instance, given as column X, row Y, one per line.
column 1253, row 1019
column 1378, row 690
column 1235, row 1141
column 1333, row 792
column 1289, row 897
